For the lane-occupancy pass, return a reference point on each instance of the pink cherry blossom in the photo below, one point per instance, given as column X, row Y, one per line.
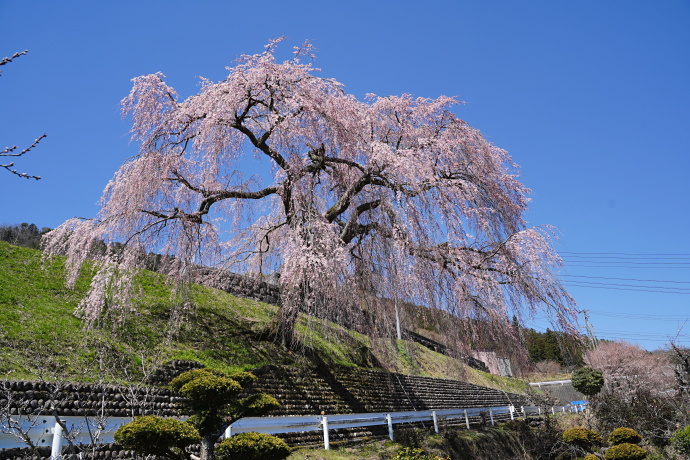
column 353, row 201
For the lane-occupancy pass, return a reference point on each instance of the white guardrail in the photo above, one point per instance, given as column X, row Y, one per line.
column 45, row 431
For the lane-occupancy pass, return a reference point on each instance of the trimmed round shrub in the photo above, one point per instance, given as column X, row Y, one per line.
column 245, row 379
column 184, row 378
column 156, row 435
column 681, row 440
column 582, row 437
column 207, row 390
column 252, row 446
column 625, row 451
column 622, row 435
column 259, row 403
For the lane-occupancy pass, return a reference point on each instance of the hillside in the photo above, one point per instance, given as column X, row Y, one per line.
column 41, row 337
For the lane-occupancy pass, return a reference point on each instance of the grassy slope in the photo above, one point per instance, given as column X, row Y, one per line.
column 40, row 333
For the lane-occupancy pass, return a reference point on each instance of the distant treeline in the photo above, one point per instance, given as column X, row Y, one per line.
column 27, row 235
column 553, row 346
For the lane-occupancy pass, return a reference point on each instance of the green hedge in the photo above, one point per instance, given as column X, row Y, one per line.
column 252, row 446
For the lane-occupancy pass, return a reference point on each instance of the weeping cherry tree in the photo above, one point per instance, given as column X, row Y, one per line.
column 276, row 168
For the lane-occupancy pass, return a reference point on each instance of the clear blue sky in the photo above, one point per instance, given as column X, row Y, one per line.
column 591, row 98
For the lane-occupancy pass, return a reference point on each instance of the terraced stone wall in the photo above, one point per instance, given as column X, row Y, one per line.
column 239, row 285
column 310, row 391
column 39, row 398
column 299, row 391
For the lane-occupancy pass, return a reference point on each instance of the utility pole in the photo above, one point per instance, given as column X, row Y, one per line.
column 594, row 342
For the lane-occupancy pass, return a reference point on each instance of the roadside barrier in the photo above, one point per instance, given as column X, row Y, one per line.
column 44, row 431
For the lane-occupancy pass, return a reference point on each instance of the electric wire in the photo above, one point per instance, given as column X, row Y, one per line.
column 669, row 288
column 614, row 288
column 674, row 266
column 597, row 254
column 627, row 279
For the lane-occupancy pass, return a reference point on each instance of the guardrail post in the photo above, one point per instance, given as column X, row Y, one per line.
column 491, row 414
column 524, row 414
column 563, row 409
column 326, row 441
column 433, row 416
column 467, row 420
column 57, row 441
column 511, row 409
column 389, row 419
column 539, row 409
column 553, row 411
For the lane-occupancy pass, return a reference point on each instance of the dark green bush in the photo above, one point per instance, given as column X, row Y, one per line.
column 681, row 440
column 252, row 446
column 587, row 381
column 623, row 435
column 582, row 437
column 625, row 451
column 156, row 436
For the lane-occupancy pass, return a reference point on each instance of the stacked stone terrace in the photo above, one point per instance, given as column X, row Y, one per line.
column 310, row 392
column 304, row 392
column 299, row 391
column 76, row 399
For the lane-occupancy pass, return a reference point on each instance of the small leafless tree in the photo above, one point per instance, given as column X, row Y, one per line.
column 17, row 417
column 12, row 151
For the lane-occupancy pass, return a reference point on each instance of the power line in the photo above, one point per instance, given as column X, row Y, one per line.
column 644, row 315
column 627, row 279
column 669, row 288
column 567, row 265
column 658, row 291
column 630, row 262
column 640, row 317
column 624, row 254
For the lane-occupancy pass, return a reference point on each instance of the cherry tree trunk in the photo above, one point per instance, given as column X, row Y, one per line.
column 283, row 325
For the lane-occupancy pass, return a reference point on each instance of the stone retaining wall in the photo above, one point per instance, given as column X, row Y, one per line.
column 343, row 391
column 239, row 285
column 299, row 392
column 77, row 399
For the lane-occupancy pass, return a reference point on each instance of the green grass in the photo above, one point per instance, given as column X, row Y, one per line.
column 40, row 334
column 496, row 443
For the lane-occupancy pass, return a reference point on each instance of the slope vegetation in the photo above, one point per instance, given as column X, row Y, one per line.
column 40, row 335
